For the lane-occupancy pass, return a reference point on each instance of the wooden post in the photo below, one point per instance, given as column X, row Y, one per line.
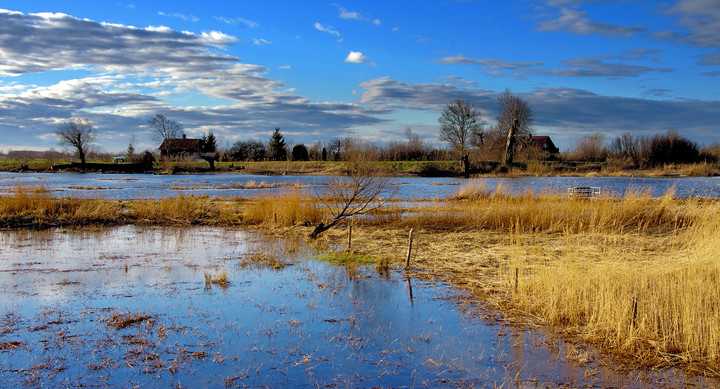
column 407, row 263
column 349, row 237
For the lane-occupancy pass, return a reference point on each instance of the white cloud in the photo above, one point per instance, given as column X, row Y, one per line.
column 191, row 18
column 345, row 14
column 260, row 41
column 327, row 29
column 238, row 21
column 355, row 57
column 285, row 67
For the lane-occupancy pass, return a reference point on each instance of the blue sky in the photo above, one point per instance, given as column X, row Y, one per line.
column 320, row 70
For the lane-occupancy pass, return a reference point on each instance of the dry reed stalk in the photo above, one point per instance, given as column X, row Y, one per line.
column 285, row 208
column 660, row 306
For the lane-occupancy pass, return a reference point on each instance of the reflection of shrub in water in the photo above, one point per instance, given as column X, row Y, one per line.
column 220, row 280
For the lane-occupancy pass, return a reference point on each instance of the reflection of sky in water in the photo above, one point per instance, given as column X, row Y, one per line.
column 134, row 186
column 306, row 324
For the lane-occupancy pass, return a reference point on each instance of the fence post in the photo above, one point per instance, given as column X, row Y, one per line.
column 349, row 246
column 407, row 262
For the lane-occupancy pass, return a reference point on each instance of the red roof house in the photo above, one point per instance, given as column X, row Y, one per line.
column 181, row 147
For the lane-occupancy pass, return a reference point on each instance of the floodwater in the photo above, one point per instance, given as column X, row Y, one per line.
column 142, row 186
column 130, row 306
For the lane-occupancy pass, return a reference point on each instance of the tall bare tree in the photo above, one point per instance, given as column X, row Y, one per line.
column 163, row 128
column 77, row 133
column 514, row 119
column 460, row 123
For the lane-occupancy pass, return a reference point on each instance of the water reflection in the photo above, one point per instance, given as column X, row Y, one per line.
column 309, row 323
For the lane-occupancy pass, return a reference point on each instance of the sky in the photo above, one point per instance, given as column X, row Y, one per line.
column 368, row 70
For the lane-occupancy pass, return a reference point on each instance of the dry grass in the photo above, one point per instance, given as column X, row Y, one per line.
column 637, row 275
column 475, row 208
column 284, row 208
column 656, row 301
column 222, row 280
column 27, row 207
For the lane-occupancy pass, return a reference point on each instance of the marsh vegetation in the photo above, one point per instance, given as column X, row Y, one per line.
column 634, row 275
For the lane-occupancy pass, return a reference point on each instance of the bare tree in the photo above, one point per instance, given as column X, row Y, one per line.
column 460, row 123
column 514, row 119
column 361, row 192
column 163, row 128
column 78, row 134
column 591, row 148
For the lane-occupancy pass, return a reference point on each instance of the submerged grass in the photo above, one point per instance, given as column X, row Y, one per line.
column 222, row 280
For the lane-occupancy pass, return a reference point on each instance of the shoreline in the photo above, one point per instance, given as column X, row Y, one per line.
column 430, row 169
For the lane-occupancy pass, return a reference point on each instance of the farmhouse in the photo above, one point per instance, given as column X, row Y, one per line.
column 182, row 147
column 543, row 143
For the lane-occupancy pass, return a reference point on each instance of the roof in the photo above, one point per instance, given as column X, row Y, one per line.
column 181, row 144
column 539, row 141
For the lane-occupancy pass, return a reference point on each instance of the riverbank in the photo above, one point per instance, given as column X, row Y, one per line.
column 393, row 168
column 636, row 277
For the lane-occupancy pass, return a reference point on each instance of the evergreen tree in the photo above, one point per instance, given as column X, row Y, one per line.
column 277, row 147
column 208, row 143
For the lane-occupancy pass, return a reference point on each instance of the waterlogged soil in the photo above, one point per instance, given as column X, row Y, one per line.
column 215, row 307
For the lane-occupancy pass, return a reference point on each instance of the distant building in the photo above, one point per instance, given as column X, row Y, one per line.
column 542, row 143
column 183, row 147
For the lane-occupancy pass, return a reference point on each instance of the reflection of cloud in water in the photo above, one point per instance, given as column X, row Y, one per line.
column 267, row 328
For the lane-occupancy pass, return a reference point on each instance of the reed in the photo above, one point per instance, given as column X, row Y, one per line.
column 552, row 212
column 285, row 208
column 184, row 210
column 660, row 307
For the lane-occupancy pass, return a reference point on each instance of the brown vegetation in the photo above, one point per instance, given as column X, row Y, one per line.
column 635, row 275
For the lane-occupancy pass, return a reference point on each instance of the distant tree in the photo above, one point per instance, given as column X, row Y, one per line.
column 460, row 122
column 208, row 149
column 672, row 148
column 78, row 134
column 277, row 147
column 415, row 148
column 591, row 148
column 165, row 128
column 300, row 153
column 324, row 154
column 248, row 151
column 334, row 148
column 627, row 148
column 514, row 119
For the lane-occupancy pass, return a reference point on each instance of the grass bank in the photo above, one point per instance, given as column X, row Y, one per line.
column 635, row 275
column 401, row 168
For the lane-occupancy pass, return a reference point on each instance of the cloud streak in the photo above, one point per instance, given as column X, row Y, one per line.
column 328, row 29
column 577, row 22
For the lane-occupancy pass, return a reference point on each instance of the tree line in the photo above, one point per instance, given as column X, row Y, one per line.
column 470, row 138
column 639, row 152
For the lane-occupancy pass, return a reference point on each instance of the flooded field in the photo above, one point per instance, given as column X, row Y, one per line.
column 143, row 186
column 209, row 307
